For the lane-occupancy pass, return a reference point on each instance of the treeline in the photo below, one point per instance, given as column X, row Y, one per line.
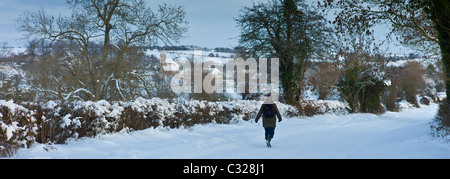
column 374, row 86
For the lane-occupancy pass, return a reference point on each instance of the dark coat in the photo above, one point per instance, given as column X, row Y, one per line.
column 269, row 122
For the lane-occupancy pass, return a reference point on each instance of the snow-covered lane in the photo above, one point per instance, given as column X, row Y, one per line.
column 391, row 135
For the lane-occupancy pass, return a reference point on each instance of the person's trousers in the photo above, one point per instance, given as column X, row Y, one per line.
column 270, row 131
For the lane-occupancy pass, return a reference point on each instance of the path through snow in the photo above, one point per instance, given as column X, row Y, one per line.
column 391, row 135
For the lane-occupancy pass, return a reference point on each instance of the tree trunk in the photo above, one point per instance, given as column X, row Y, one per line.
column 444, row 42
column 445, row 50
column 100, row 79
column 288, row 79
column 440, row 16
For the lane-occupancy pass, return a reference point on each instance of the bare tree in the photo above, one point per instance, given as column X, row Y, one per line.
column 5, row 51
column 106, row 33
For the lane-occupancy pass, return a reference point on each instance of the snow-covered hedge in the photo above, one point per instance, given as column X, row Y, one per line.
column 16, row 127
column 53, row 122
column 311, row 108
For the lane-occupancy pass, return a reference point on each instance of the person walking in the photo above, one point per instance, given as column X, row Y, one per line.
column 269, row 113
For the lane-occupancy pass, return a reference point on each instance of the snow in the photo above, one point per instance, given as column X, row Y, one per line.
column 405, row 105
column 391, row 135
column 441, row 95
column 66, row 120
column 327, row 106
column 399, row 63
column 12, row 106
column 50, row 105
column 171, row 54
column 387, row 82
column 10, row 129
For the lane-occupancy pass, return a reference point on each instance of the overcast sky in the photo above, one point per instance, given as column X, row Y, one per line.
column 211, row 22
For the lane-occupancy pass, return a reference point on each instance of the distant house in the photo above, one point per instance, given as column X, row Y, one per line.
column 168, row 66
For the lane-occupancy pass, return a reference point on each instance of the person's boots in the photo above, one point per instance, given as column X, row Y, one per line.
column 268, row 142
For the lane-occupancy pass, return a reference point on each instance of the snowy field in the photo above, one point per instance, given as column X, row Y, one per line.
column 392, row 135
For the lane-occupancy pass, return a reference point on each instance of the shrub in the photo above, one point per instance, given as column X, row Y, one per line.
column 425, row 100
column 370, row 97
column 411, row 81
column 311, row 108
column 443, row 115
column 361, row 83
column 390, row 95
column 324, row 78
column 441, row 128
column 17, row 128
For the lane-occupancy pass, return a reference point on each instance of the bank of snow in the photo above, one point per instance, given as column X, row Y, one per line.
column 391, row 135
